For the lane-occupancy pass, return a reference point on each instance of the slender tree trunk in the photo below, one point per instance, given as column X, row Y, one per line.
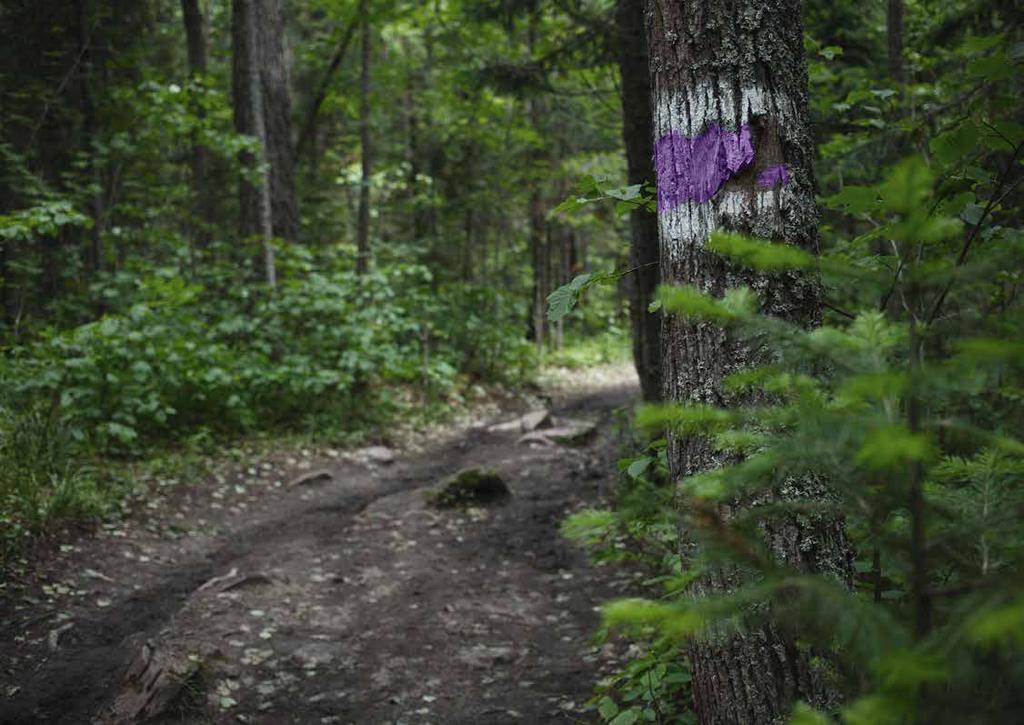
column 308, row 132
column 894, row 30
column 199, row 159
column 733, row 151
column 638, row 132
column 538, row 256
column 366, row 152
column 277, row 114
column 93, row 252
column 538, row 224
column 254, row 198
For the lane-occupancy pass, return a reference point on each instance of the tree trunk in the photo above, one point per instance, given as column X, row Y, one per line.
column 733, row 151
column 538, row 264
column 254, row 198
column 93, row 252
column 894, row 31
column 277, row 113
column 638, row 132
column 363, row 223
column 538, row 224
column 199, row 157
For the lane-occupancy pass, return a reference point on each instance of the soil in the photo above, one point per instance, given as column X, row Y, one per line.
column 345, row 598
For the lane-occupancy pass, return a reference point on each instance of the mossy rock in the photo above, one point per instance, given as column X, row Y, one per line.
column 471, row 487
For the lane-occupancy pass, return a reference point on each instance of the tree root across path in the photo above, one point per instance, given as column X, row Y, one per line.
column 344, row 599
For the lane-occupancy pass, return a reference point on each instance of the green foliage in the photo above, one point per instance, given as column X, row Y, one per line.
column 591, row 190
column 763, row 256
column 314, row 354
column 905, row 403
column 611, row 346
column 653, row 687
column 562, row 301
column 41, row 482
column 886, row 417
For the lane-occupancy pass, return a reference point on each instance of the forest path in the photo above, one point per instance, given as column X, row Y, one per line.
column 348, row 600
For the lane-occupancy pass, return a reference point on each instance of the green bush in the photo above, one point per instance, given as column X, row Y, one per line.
column 320, row 351
column 912, row 415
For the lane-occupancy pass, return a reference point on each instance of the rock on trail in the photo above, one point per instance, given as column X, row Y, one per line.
column 337, row 594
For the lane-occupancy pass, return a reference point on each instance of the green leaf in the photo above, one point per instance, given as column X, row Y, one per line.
column 854, row 199
column 804, row 714
column 907, row 187
column 563, row 299
column 627, row 717
column 952, row 146
column 638, row 467
column 758, row 253
column 892, row 447
column 672, row 620
column 607, row 708
column 980, row 43
column 876, row 710
column 688, row 301
column 999, row 626
column 995, row 67
column 588, row 527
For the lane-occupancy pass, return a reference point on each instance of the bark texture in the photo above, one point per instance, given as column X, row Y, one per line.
column 894, row 32
column 199, row 156
column 365, row 144
column 734, row 152
column 256, row 218
column 638, row 133
column 263, row 110
column 277, row 110
column 93, row 252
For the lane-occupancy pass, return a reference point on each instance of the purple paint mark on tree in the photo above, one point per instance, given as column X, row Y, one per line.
column 696, row 167
column 777, row 175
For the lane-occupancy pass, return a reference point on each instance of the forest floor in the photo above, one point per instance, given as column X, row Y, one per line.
column 344, row 599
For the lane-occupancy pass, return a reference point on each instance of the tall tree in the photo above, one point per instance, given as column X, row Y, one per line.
column 199, row 161
column 277, row 111
column 93, row 252
column 254, row 195
column 536, row 211
column 894, row 32
column 733, row 151
column 261, row 83
column 365, row 143
column 638, row 132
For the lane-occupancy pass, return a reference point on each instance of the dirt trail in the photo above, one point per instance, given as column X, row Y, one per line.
column 342, row 601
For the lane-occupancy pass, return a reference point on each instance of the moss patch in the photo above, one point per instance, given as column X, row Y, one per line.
column 471, row 487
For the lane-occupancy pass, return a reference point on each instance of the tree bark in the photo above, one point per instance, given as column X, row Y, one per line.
column 254, row 198
column 894, row 31
column 733, row 151
column 638, row 132
column 535, row 208
column 93, row 252
column 277, row 111
column 363, row 222
column 199, row 157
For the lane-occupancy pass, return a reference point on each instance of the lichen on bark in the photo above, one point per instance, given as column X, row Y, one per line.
column 736, row 64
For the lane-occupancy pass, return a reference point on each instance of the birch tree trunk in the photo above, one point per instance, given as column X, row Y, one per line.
column 637, row 131
column 733, row 151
